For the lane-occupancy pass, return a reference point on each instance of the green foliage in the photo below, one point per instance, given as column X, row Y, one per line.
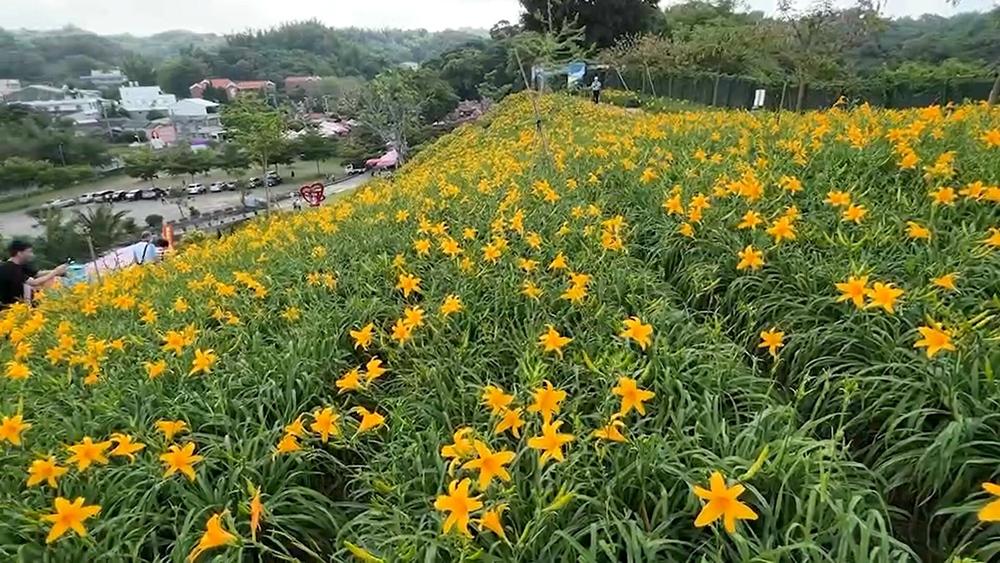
column 315, row 147
column 232, row 159
column 34, row 135
column 143, row 163
column 139, row 69
column 256, row 128
column 176, row 75
column 603, row 22
column 104, row 226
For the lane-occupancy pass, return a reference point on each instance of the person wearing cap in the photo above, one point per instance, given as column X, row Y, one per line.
column 17, row 272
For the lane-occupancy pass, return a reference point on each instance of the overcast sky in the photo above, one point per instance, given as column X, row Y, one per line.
column 141, row 17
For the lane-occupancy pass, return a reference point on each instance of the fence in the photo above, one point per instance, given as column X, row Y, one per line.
column 738, row 92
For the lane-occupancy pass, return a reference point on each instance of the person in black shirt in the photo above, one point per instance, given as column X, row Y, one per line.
column 16, row 272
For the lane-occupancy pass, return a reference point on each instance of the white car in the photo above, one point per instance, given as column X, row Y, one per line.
column 217, row 187
column 59, row 203
column 86, row 198
column 195, row 189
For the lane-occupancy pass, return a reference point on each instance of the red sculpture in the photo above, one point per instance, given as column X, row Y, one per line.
column 313, row 193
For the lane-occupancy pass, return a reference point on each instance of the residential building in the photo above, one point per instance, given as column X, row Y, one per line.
column 105, row 78
column 302, row 84
column 196, row 118
column 8, row 85
column 231, row 88
column 141, row 100
column 80, row 104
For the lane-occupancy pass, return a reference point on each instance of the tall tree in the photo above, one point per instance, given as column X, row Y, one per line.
column 232, row 159
column 104, row 226
column 139, row 69
column 178, row 74
column 180, row 161
column 144, row 164
column 390, row 108
column 257, row 128
column 315, row 147
column 604, row 20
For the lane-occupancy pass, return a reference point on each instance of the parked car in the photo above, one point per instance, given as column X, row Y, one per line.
column 351, row 170
column 152, row 193
column 117, row 195
column 85, row 198
column 273, row 180
column 255, row 183
column 231, row 186
column 133, row 195
column 59, row 203
column 195, row 189
column 105, row 196
column 217, row 187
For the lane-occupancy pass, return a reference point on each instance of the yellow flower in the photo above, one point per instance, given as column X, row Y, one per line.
column 469, row 233
column 408, row 284
column 531, row 290
column 550, row 442
column 750, row 220
column 203, row 361
column 915, row 230
column 772, row 340
column 149, row 316
column 363, row 337
column 782, row 229
column 182, row 459
column 994, row 238
column 490, row 520
column 934, row 339
column 636, row 330
column 496, row 399
column 673, row 205
column 510, row 419
column 855, row 213
column 854, row 289
column 69, row 516
column 946, row 281
column 325, row 424
column 790, row 183
column 296, row 428
column 291, row 314
column 88, row 452
column 575, row 294
column 11, row 428
column 632, row 396
column 170, row 428
column 611, row 431
column 944, row 196
column 461, row 447
column 458, row 504
column 175, row 342
column 413, row 316
column 552, row 341
column 289, row 443
column 534, row 240
column 17, row 370
column 350, row 381
column 256, row 512
column 369, row 420
column 750, row 258
column 559, row 263
column 215, row 536
column 547, row 399
column 452, row 304
column 181, row 305
column 838, row 198
column 450, row 247
column 125, row 447
column 490, row 464
column 401, row 331
column 155, row 369
column 527, row 265
column 686, row 229
column 374, row 369
column 883, row 295
column 991, row 512
column 723, row 502
column 422, row 246
column 47, row 471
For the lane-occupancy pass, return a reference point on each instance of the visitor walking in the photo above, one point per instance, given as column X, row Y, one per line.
column 18, row 276
column 595, row 89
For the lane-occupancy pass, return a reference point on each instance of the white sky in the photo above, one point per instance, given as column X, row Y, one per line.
column 144, row 17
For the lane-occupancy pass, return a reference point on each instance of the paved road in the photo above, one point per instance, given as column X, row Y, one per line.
column 20, row 223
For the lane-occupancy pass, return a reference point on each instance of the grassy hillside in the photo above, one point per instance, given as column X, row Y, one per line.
column 768, row 290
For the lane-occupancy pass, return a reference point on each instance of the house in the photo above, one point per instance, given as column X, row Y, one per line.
column 141, row 100
column 8, row 85
column 230, row 87
column 196, row 118
column 105, row 78
column 302, row 84
column 81, row 104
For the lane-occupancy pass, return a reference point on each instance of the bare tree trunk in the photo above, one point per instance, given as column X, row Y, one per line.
column 800, row 98
column 995, row 91
column 715, row 89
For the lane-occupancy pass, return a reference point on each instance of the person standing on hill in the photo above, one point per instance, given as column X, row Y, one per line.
column 17, row 272
column 595, row 89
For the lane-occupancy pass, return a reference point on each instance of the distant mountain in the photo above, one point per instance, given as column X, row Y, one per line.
column 168, row 43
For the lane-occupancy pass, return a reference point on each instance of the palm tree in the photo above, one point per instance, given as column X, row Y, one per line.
column 104, row 226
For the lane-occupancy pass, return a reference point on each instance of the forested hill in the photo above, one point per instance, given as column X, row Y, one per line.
column 63, row 55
